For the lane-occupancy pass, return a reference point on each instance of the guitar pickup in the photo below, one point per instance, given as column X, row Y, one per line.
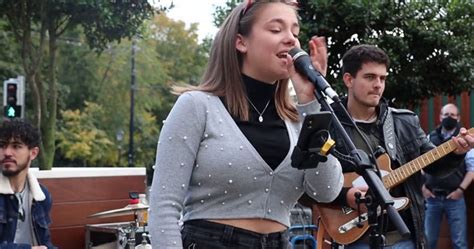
column 346, row 210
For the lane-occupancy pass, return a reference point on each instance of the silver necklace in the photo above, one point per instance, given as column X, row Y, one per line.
column 260, row 114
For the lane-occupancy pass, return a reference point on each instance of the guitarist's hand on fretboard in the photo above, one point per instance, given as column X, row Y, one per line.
column 464, row 141
column 343, row 225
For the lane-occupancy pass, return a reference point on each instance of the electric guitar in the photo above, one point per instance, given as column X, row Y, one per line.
column 341, row 222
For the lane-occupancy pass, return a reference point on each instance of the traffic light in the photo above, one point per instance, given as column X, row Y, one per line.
column 12, row 110
column 13, row 98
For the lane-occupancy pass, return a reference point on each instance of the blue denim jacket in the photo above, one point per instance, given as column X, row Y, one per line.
column 40, row 216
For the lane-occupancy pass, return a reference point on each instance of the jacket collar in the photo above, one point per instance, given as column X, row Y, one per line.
column 381, row 109
column 439, row 131
column 34, row 185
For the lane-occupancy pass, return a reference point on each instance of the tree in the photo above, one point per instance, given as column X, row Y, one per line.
column 181, row 57
column 77, row 70
column 167, row 53
column 10, row 65
column 37, row 26
column 80, row 137
column 430, row 43
column 221, row 12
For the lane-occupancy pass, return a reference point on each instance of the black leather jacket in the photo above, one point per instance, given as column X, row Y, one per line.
column 403, row 140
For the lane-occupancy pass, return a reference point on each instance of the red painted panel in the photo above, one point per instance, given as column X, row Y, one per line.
column 424, row 114
column 465, row 110
column 437, row 104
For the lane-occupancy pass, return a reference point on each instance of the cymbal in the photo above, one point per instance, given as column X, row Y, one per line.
column 127, row 210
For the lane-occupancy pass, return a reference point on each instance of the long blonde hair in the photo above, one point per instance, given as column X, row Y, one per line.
column 223, row 76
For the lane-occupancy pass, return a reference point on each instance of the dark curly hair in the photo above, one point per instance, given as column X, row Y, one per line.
column 19, row 130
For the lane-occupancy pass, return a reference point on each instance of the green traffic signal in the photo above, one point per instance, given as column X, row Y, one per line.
column 11, row 112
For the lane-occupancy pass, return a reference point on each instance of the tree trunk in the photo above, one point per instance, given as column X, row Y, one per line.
column 48, row 119
column 31, row 55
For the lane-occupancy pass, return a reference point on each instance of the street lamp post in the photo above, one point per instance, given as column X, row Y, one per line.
column 119, row 136
column 132, row 106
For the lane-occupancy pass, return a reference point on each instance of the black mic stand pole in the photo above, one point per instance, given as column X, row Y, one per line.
column 377, row 195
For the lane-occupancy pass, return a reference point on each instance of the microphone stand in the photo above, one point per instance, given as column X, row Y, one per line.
column 377, row 195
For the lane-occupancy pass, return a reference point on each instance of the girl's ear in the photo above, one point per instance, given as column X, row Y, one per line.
column 241, row 44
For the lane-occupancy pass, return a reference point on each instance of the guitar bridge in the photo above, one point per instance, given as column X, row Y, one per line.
column 352, row 223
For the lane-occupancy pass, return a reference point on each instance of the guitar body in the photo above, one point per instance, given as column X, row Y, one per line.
column 340, row 222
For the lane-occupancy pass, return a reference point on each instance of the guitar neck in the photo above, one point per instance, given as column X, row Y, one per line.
column 400, row 174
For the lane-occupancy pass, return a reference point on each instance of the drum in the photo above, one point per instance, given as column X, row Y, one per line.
column 113, row 235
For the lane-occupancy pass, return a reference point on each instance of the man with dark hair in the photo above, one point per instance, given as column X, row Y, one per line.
column 397, row 131
column 24, row 203
column 445, row 195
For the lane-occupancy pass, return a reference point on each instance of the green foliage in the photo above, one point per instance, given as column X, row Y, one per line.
column 80, row 137
column 38, row 25
column 221, row 12
column 88, row 73
column 179, row 55
column 77, row 71
column 177, row 49
column 146, row 137
column 10, row 65
column 430, row 43
column 83, row 137
column 104, row 21
column 168, row 53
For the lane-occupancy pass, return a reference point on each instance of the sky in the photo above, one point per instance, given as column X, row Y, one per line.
column 195, row 11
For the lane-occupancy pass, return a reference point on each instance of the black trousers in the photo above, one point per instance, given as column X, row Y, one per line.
column 202, row 234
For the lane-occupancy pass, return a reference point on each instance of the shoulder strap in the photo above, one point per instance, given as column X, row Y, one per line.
column 389, row 135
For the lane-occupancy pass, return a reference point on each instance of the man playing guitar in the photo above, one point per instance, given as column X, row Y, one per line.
column 399, row 133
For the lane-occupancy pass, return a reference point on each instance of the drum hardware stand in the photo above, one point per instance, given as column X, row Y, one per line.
column 131, row 241
column 145, row 242
column 131, row 230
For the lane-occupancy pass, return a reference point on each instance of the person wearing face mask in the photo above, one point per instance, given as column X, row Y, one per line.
column 445, row 195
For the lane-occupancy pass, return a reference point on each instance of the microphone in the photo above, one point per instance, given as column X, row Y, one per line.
column 304, row 66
